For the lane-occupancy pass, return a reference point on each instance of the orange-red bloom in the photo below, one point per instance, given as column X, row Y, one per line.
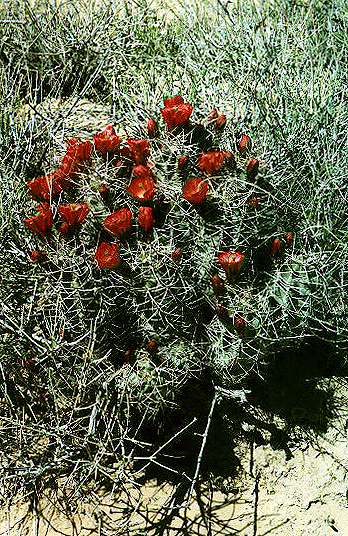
column 118, row 223
column 72, row 213
column 141, row 188
column 38, row 256
column 175, row 111
column 43, row 186
column 139, row 150
column 41, row 222
column 174, row 100
column 107, row 142
column 211, row 162
column 78, row 148
column 194, row 189
column 232, row 263
column 108, row 256
column 145, row 219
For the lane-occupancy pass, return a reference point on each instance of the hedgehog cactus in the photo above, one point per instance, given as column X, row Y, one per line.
column 159, row 240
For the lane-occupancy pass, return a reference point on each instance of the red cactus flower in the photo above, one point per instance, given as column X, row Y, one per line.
column 37, row 256
column 66, row 170
column 183, row 162
column 145, row 219
column 290, row 237
column 152, row 128
column 73, row 213
column 108, row 256
column 118, row 223
column 177, row 254
column 218, row 284
column 245, row 145
column 239, row 325
column 212, row 116
column 139, row 150
column 43, row 186
column 277, row 247
column 220, row 123
column 194, row 190
column 108, row 142
column 252, row 169
column 174, row 100
column 141, row 188
column 230, row 160
column 211, row 162
column 232, row 263
column 175, row 111
column 252, row 203
column 78, row 148
column 142, row 172
column 41, row 222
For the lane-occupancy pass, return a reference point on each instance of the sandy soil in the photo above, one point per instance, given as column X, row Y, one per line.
column 304, row 496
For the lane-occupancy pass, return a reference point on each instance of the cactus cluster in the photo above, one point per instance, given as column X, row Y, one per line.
column 161, row 239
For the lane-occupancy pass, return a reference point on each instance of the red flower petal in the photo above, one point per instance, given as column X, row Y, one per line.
column 211, row 162
column 41, row 222
column 73, row 212
column 176, row 115
column 108, row 256
column 141, row 188
column 140, row 150
column 194, row 189
column 145, row 219
column 174, row 100
column 232, row 263
column 118, row 223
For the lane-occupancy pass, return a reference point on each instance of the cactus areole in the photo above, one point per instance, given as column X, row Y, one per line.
column 232, row 263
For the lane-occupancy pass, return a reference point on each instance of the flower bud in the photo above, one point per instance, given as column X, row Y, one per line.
column 212, row 116
column 218, row 284
column 252, row 203
column 104, row 192
column 65, row 228
column 183, row 162
column 38, row 256
column 232, row 263
column 290, row 239
column 220, row 123
column 221, row 312
column 128, row 357
column 151, row 347
column 239, row 325
column 230, row 160
column 145, row 219
column 252, row 169
column 277, row 247
column 245, row 145
column 177, row 254
column 152, row 128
